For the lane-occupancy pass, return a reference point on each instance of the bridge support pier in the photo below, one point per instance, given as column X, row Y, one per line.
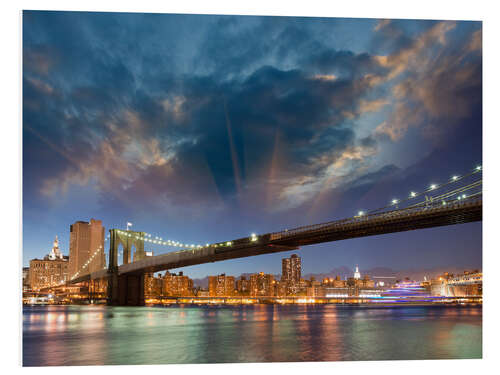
column 126, row 290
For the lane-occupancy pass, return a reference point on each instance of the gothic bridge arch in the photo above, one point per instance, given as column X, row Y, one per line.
column 128, row 239
column 125, row 289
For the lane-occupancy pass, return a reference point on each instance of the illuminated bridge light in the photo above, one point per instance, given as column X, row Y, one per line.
column 464, row 196
column 394, row 201
column 454, row 178
column 253, row 238
column 433, row 186
column 478, row 168
column 413, row 194
column 361, row 213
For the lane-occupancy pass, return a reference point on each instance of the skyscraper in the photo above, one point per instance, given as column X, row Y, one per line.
column 86, row 240
column 291, row 268
column 291, row 272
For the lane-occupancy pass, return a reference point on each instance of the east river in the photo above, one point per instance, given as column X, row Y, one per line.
column 101, row 335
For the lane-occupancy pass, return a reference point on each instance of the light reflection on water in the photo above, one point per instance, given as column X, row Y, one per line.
column 99, row 335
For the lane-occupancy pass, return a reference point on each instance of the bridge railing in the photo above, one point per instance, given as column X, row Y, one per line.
column 415, row 209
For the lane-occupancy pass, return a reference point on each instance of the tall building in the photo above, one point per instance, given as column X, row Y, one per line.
column 86, row 240
column 262, row 284
column 50, row 271
column 291, row 269
column 221, row 285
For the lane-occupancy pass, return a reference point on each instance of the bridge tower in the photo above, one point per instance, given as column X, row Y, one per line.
column 125, row 290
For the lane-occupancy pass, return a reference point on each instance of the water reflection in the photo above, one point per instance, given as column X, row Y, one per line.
column 96, row 335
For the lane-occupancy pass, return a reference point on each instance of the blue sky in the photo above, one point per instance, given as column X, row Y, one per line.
column 208, row 128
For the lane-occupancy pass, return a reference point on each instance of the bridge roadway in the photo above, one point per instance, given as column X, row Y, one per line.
column 420, row 217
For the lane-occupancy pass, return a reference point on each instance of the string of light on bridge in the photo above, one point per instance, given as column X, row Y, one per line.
column 432, row 187
column 87, row 263
column 166, row 242
column 157, row 240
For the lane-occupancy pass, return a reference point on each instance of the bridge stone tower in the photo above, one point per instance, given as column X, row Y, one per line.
column 125, row 290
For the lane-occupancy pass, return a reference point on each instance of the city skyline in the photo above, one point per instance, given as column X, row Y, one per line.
column 342, row 271
column 176, row 140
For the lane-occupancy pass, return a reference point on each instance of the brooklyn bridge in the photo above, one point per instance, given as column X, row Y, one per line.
column 456, row 201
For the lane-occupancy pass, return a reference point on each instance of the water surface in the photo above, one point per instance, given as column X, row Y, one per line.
column 103, row 335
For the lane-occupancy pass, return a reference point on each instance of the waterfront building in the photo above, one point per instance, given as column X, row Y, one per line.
column 203, row 293
column 327, row 281
column 281, row 288
column 357, row 285
column 438, row 287
column 339, row 283
column 313, row 282
column 26, row 279
column 468, row 284
column 177, row 285
column 152, row 285
column 86, row 240
column 336, row 282
column 50, row 271
column 367, row 283
column 301, row 289
column 315, row 291
column 243, row 286
column 262, row 285
column 221, row 285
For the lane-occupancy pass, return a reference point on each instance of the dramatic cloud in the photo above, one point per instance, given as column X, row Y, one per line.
column 442, row 83
column 229, row 111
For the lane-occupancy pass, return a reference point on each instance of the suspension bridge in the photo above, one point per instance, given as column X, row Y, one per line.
column 458, row 200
